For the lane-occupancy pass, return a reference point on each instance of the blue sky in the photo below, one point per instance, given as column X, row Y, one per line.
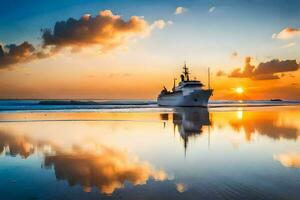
column 23, row 19
column 234, row 25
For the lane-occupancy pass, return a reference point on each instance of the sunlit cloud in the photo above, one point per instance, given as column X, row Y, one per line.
column 179, row 10
column 221, row 73
column 266, row 70
column 160, row 24
column 287, row 33
column 106, row 31
column 212, row 9
column 20, row 53
column 291, row 160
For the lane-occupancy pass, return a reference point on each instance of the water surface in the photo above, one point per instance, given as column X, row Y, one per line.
column 217, row 153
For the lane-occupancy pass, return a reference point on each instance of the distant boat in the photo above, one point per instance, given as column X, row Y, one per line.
column 276, row 100
column 186, row 93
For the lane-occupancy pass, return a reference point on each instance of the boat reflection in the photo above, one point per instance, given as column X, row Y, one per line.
column 189, row 122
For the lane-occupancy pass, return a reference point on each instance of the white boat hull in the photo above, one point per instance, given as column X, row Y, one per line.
column 197, row 98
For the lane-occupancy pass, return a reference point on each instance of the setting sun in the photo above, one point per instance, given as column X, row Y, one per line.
column 239, row 90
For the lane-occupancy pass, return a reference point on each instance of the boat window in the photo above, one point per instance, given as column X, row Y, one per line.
column 193, row 85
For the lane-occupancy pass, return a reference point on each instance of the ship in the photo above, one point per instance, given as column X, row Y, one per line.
column 188, row 93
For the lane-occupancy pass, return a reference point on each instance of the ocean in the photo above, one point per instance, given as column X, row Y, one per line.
column 107, row 149
column 120, row 105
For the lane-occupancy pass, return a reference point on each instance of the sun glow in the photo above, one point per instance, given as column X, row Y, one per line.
column 239, row 90
column 239, row 113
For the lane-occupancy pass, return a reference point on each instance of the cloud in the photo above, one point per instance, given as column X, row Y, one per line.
column 291, row 160
column 212, row 9
column 234, row 55
column 287, row 33
column 170, row 22
column 220, row 73
column 179, row 10
column 106, row 30
column 12, row 54
column 264, row 71
column 288, row 45
column 160, row 24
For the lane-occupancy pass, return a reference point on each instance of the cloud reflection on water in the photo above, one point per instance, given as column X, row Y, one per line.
column 104, row 167
column 291, row 160
column 13, row 146
column 266, row 124
column 107, row 170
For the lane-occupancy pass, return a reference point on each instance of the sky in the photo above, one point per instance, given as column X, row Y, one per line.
column 130, row 49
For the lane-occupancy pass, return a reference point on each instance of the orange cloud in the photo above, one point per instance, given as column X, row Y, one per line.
column 106, row 29
column 264, row 71
column 24, row 52
column 220, row 73
column 287, row 33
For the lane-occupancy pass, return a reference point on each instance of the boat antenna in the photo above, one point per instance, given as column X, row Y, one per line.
column 208, row 78
column 174, row 84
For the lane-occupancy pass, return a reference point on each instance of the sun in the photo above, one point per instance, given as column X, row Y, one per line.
column 239, row 90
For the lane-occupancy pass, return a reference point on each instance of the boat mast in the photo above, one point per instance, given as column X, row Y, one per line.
column 186, row 72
